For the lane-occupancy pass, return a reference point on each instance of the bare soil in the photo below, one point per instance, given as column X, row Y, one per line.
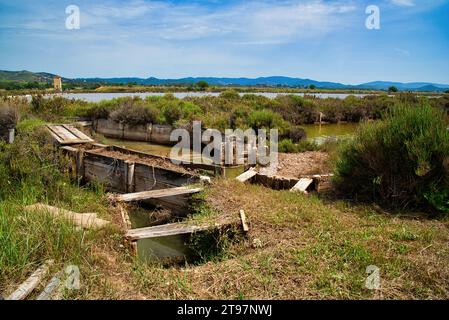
column 295, row 165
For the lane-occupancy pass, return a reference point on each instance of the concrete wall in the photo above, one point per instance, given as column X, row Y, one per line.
column 155, row 133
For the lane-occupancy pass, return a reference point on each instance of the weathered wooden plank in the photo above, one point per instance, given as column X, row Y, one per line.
column 85, row 220
column 154, row 194
column 162, row 175
column 302, row 185
column 245, row 176
column 185, row 164
column 243, row 219
column 32, row 282
column 62, row 132
column 110, row 175
column 66, row 134
column 78, row 133
column 51, row 287
column 167, row 230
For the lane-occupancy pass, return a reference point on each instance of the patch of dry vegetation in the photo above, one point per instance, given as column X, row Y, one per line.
column 300, row 247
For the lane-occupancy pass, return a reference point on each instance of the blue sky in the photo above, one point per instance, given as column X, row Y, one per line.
column 319, row 39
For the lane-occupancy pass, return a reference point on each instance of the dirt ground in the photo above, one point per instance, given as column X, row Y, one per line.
column 295, row 165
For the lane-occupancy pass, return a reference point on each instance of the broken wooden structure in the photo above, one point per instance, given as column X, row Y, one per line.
column 170, row 241
column 123, row 176
column 66, row 134
column 247, row 175
column 304, row 184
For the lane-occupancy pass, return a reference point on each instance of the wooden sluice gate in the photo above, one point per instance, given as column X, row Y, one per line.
column 122, row 174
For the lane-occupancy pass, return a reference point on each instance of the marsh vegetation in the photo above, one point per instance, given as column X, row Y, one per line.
column 390, row 209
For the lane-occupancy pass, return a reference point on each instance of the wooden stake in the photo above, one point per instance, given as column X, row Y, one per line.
column 80, row 163
column 129, row 176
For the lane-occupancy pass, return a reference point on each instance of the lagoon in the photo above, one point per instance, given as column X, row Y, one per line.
column 97, row 96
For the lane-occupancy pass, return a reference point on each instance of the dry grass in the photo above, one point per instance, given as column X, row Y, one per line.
column 311, row 250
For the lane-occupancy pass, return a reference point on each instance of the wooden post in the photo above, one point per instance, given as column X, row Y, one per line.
column 148, row 132
column 11, row 136
column 132, row 246
column 80, row 163
column 125, row 217
column 129, row 176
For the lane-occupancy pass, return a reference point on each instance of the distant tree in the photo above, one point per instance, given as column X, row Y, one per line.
column 202, row 85
column 393, row 89
column 312, row 87
column 447, row 91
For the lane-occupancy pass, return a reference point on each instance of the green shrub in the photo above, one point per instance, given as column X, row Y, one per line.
column 172, row 112
column 398, row 162
column 265, row 119
column 230, row 95
column 135, row 115
column 8, row 117
column 287, row 146
column 296, row 134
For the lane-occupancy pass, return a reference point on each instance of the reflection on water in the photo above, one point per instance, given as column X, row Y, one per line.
column 319, row 133
column 161, row 249
column 97, row 96
column 164, row 249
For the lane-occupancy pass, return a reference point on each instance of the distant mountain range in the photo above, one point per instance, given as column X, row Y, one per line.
column 27, row 76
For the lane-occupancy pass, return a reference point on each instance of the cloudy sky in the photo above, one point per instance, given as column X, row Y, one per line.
column 319, row 39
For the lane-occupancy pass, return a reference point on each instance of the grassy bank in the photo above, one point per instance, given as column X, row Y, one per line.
column 298, row 247
column 303, row 247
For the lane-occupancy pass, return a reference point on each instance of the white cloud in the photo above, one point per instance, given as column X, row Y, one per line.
column 403, row 3
column 250, row 22
column 402, row 52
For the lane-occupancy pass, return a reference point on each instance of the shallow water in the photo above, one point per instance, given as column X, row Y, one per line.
column 97, row 96
column 315, row 131
column 163, row 249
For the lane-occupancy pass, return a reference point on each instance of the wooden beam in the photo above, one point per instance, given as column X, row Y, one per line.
column 167, row 230
column 243, row 219
column 302, row 185
column 85, row 220
column 245, row 176
column 32, row 282
column 67, row 134
column 154, row 194
column 51, row 286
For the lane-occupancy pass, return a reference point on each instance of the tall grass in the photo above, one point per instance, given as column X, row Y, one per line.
column 399, row 161
column 30, row 172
